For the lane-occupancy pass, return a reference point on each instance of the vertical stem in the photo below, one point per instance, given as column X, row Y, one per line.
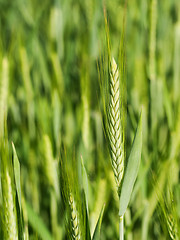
column 152, row 40
column 152, row 63
column 121, row 228
column 153, row 76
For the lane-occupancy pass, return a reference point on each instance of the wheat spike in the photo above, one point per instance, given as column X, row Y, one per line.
column 74, row 218
column 172, row 229
column 10, row 222
column 115, row 130
column 10, row 226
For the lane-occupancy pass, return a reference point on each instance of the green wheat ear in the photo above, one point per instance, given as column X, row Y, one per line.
column 10, row 227
column 74, row 218
column 9, row 213
column 71, row 197
column 115, row 129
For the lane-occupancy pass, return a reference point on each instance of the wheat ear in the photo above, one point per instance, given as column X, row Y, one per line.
column 10, row 221
column 10, row 227
column 172, row 227
column 115, row 130
column 74, row 218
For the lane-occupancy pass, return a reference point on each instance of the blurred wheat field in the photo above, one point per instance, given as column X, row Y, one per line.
column 56, row 180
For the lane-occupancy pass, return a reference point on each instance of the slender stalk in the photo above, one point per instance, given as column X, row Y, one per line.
column 121, row 228
column 152, row 64
column 152, row 40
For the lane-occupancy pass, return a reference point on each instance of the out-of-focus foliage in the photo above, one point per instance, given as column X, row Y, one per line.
column 49, row 52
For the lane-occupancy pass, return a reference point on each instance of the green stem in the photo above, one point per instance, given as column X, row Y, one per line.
column 121, row 228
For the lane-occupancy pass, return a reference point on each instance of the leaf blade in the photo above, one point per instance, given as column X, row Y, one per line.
column 16, row 166
column 131, row 170
column 96, row 234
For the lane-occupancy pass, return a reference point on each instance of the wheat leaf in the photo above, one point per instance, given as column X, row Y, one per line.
column 131, row 170
column 16, row 167
column 96, row 235
column 85, row 182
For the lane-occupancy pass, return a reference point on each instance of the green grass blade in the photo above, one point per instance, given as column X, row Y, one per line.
column 85, row 182
column 86, row 218
column 96, row 235
column 16, row 167
column 131, row 170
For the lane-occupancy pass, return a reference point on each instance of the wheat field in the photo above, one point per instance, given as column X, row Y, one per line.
column 89, row 120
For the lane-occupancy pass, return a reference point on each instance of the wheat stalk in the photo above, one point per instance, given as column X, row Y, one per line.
column 115, row 130
column 4, row 82
column 74, row 218
column 152, row 42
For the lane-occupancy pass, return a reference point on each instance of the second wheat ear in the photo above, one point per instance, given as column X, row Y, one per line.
column 74, row 218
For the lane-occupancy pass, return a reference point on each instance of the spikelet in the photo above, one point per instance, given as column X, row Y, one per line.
column 74, row 218
column 172, row 228
column 115, row 129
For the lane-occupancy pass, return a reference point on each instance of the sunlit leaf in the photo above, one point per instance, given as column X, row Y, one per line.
column 131, row 170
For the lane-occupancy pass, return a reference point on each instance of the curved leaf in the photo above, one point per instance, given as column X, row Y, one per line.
column 131, row 170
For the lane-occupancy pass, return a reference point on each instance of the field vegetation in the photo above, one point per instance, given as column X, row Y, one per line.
column 89, row 119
